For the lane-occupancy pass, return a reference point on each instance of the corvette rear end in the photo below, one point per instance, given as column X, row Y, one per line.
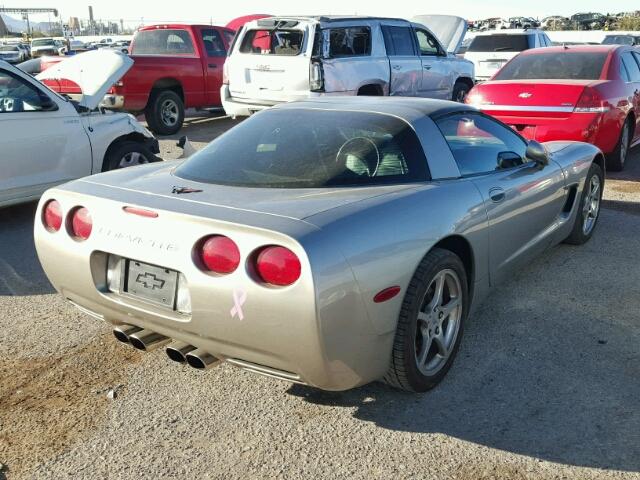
column 163, row 273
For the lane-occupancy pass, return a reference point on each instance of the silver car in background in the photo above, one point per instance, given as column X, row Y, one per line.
column 331, row 242
column 283, row 59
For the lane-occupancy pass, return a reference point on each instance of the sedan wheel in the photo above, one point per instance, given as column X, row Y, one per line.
column 431, row 323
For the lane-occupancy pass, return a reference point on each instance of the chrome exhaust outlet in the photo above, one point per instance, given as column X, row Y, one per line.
column 148, row 340
column 201, row 359
column 177, row 351
column 122, row 332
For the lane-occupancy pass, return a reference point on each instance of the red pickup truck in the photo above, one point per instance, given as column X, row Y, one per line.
column 175, row 67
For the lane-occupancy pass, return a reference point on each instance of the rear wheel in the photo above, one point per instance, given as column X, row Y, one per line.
column 616, row 159
column 431, row 323
column 588, row 208
column 165, row 112
column 460, row 91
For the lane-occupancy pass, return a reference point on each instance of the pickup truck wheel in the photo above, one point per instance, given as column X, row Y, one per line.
column 431, row 323
column 460, row 91
column 127, row 154
column 165, row 113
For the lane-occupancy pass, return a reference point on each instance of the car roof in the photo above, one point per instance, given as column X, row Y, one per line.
column 160, row 26
column 409, row 109
column 334, row 18
column 510, row 31
column 573, row 48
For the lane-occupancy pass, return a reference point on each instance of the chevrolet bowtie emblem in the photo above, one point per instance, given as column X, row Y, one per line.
column 180, row 190
column 525, row 95
column 149, row 280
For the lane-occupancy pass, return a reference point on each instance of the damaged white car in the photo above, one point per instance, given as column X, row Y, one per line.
column 47, row 139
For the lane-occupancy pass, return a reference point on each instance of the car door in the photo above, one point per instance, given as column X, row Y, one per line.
column 42, row 142
column 523, row 200
column 214, row 55
column 436, row 79
column 404, row 62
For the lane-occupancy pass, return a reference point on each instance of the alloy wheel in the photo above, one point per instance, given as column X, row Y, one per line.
column 131, row 159
column 591, row 206
column 169, row 113
column 438, row 322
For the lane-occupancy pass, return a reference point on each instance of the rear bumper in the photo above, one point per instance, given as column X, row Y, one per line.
column 241, row 107
column 303, row 333
column 594, row 128
column 113, row 102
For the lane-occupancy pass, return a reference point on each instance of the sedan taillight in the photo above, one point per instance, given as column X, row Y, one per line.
column 52, row 216
column 591, row 102
column 80, row 224
column 278, row 266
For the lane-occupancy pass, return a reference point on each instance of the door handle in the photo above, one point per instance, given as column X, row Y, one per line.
column 213, row 65
column 497, row 195
column 427, row 67
column 397, row 67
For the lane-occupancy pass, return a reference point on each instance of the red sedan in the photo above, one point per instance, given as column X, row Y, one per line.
column 588, row 93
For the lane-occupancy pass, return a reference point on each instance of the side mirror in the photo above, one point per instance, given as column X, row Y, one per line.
column 537, row 153
column 46, row 104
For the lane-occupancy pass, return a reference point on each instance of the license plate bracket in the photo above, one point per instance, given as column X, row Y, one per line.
column 157, row 285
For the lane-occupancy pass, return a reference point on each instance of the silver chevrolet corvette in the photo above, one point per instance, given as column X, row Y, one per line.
column 331, row 242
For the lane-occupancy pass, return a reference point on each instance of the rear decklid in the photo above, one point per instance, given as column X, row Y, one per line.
column 449, row 29
column 156, row 186
column 270, row 60
column 529, row 98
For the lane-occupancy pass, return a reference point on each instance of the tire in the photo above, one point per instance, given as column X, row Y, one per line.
column 418, row 330
column 617, row 158
column 165, row 112
column 127, row 154
column 460, row 91
column 588, row 208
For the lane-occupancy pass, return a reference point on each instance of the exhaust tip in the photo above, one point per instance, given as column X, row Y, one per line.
column 123, row 332
column 147, row 340
column 177, row 351
column 201, row 359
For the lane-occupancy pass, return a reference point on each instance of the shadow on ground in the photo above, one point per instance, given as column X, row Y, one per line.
column 20, row 270
column 548, row 368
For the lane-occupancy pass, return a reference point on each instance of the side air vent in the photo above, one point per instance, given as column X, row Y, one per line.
column 571, row 199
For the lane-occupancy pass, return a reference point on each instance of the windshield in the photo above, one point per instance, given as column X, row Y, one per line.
column 618, row 40
column 499, row 43
column 554, row 66
column 272, row 42
column 43, row 42
column 298, row 148
column 8, row 48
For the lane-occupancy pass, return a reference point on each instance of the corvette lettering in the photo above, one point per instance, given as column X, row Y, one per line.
column 137, row 240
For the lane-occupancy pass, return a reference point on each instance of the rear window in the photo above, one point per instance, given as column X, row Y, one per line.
column 8, row 48
column 43, row 42
column 298, row 148
column 272, row 42
column 501, row 43
column 554, row 66
column 349, row 42
column 618, row 40
column 162, row 42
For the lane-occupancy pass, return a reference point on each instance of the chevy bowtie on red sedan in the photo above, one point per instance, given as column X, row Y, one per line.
column 588, row 93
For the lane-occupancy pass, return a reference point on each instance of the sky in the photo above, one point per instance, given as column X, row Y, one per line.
column 146, row 11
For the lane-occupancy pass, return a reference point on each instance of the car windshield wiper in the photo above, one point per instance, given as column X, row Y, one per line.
column 502, row 49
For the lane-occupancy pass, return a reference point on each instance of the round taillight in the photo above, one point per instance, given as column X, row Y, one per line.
column 220, row 254
column 52, row 216
column 81, row 223
column 278, row 266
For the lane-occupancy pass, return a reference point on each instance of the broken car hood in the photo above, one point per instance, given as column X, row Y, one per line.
column 94, row 72
column 449, row 29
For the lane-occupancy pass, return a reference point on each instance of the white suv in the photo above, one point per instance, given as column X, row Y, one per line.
column 282, row 59
column 489, row 51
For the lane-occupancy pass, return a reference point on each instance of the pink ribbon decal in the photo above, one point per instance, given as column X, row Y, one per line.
column 239, row 297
